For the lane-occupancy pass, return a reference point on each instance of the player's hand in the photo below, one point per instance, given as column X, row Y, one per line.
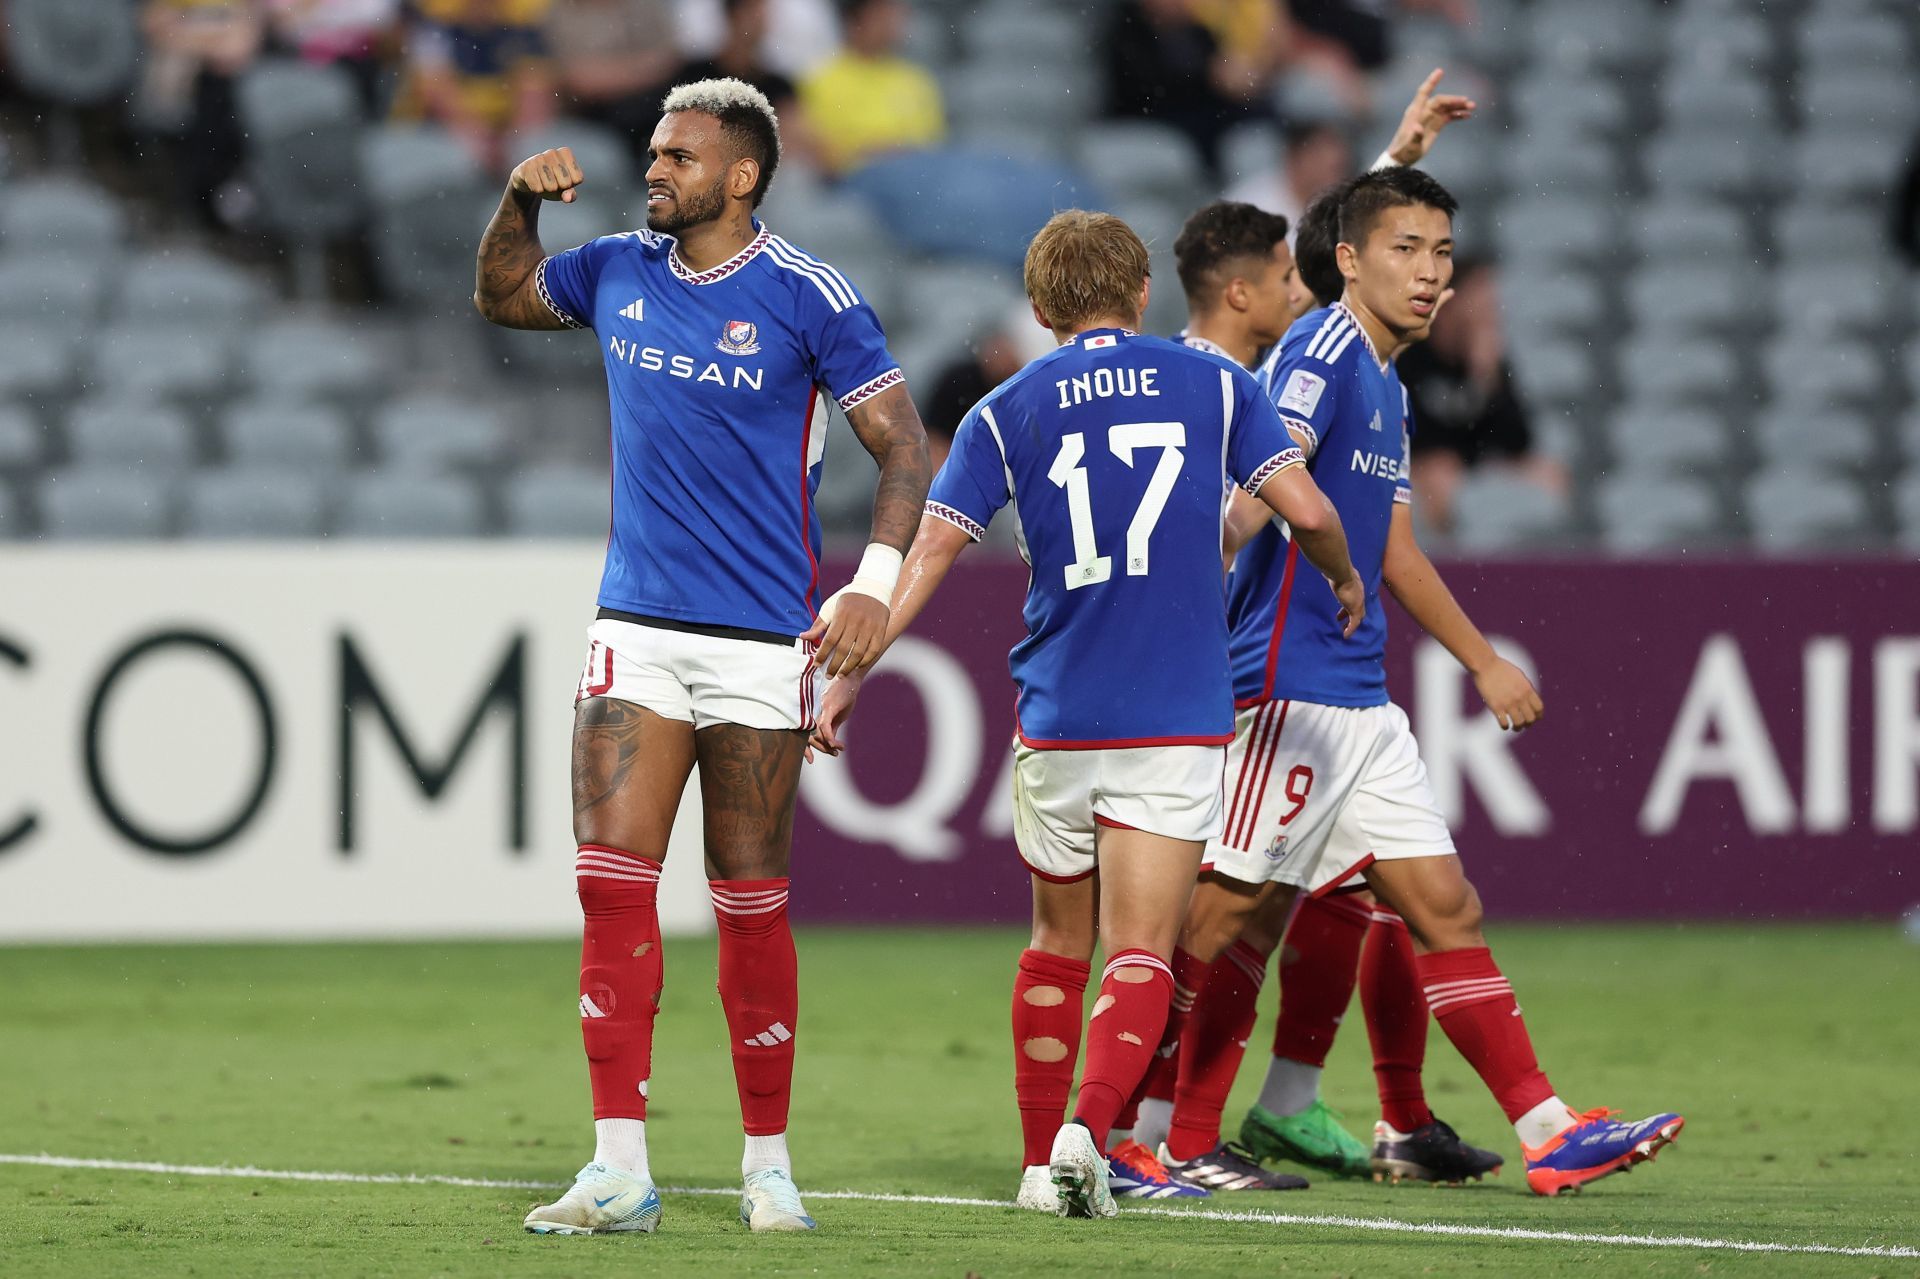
column 1424, row 117
column 1509, row 694
column 1352, row 595
column 850, row 633
column 835, row 705
column 551, row 175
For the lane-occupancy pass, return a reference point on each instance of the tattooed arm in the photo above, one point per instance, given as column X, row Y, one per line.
column 852, row 632
column 504, row 288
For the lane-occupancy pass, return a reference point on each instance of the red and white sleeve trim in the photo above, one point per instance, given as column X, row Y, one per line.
column 1273, row 466
column 867, row 390
column 1303, row 427
column 540, row 284
column 959, row 519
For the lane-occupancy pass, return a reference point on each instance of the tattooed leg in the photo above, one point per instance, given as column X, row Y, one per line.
column 748, row 780
column 630, row 767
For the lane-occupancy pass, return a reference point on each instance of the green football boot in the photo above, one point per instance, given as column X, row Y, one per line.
column 1313, row 1137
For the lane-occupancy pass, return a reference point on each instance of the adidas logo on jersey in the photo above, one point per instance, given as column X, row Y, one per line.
column 1375, row 424
column 635, row 310
column 772, row 1037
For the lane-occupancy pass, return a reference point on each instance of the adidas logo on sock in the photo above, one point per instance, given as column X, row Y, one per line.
column 772, row 1037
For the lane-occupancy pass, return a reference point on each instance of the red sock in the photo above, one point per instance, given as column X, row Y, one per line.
column 619, row 975
column 1135, row 992
column 1319, row 962
column 1191, row 976
column 1396, row 1012
column 1475, row 1007
column 1049, row 999
column 760, row 991
column 1211, row 1049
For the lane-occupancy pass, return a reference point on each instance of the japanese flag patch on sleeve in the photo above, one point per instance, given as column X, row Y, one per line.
column 1302, row 392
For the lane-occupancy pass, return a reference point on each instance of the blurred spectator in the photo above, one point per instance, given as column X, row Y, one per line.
column 867, row 100
column 1163, row 63
column 1253, row 40
column 357, row 35
column 1466, row 411
column 800, row 34
column 1315, row 155
column 612, row 59
column 989, row 362
column 480, row 69
column 197, row 50
column 740, row 56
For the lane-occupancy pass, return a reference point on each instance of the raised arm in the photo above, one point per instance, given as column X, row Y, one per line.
column 1421, row 122
column 851, row 630
column 1417, row 584
column 505, row 289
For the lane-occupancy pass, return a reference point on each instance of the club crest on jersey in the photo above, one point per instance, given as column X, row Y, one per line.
column 740, row 337
column 1278, row 848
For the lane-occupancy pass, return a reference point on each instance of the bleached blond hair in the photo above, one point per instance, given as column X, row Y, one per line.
column 1086, row 266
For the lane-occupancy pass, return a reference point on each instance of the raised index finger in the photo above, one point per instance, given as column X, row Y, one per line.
column 1426, row 86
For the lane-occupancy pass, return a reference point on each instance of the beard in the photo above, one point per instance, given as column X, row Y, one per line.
column 694, row 209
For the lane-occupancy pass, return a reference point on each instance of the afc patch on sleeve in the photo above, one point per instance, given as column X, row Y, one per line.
column 1302, row 392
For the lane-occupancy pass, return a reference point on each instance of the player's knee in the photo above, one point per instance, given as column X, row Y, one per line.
column 1452, row 922
column 1068, row 942
column 1215, row 920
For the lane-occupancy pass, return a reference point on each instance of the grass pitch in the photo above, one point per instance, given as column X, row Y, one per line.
column 1792, row 1051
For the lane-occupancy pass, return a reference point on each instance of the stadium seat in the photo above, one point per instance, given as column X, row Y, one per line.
column 153, row 358
column 1587, row 36
column 1650, row 510
column 1650, row 436
column 1859, row 97
column 253, row 503
column 1719, row 36
column 558, row 501
column 79, row 52
column 104, row 502
column 1724, row 102
column 52, row 291
column 1252, row 150
column 1823, row 296
column 298, row 358
column 1830, row 37
column 1799, row 433
column 303, row 128
column 399, row 503
column 60, row 216
column 105, row 430
column 1708, row 161
column 1536, row 303
column 431, row 432
column 1689, row 230
column 430, row 204
column 1822, row 232
column 1842, row 162
column 1798, row 509
column 1542, row 164
column 1683, row 297
column 266, row 432
column 1839, row 369
column 1672, row 366
column 966, row 203
column 1548, row 100
column 1556, row 227
column 1032, row 37
column 1496, row 511
column 1906, row 508
column 13, row 514
column 23, row 441
column 188, row 288
column 1141, row 158
column 960, row 300
column 1558, row 372
column 35, row 360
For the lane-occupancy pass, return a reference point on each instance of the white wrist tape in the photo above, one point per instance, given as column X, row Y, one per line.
column 879, row 570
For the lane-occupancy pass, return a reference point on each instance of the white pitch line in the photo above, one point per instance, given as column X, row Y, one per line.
column 1385, row 1224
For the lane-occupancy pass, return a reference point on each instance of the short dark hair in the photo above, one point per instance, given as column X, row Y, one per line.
column 1371, row 194
column 1313, row 245
column 747, row 121
column 1217, row 234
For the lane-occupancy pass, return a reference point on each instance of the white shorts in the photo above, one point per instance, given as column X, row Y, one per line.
column 1319, row 793
column 700, row 679
column 1060, row 796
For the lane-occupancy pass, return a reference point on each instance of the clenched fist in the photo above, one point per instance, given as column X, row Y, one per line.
column 551, row 175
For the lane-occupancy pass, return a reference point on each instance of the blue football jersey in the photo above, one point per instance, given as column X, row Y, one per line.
column 719, row 384
column 1116, row 451
column 1352, row 410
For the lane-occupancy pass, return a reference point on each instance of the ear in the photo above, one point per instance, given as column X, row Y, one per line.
column 1348, row 260
column 1146, row 295
column 1039, row 316
column 744, row 176
column 1235, row 294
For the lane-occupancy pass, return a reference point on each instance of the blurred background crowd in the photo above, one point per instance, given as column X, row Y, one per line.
column 237, row 236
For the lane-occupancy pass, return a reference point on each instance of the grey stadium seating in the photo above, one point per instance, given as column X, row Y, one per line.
column 398, row 503
column 253, row 503
column 105, row 502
